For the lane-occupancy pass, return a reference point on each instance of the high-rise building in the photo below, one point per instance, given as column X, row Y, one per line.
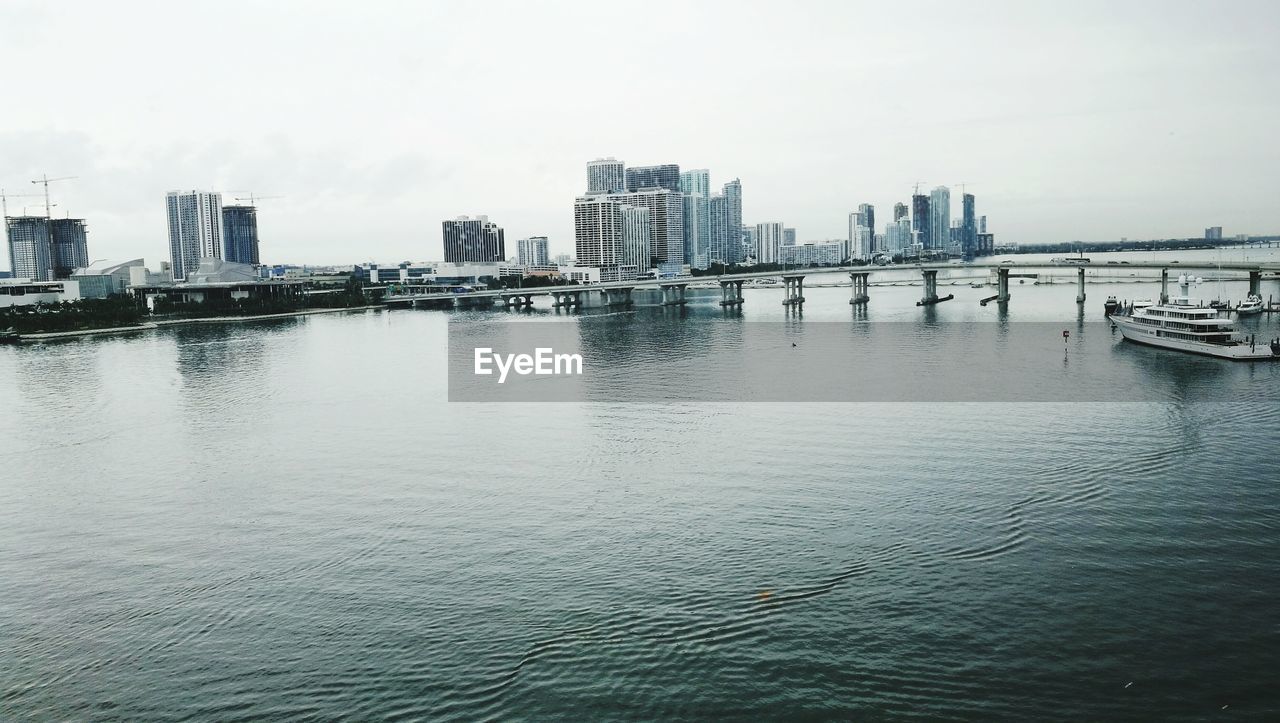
column 664, row 176
column 969, row 224
column 900, row 211
column 532, row 251
column 606, row 175
column 195, row 230
column 862, row 244
column 733, row 215
column 597, row 230
column 30, row 248
column 788, row 237
column 696, row 181
column 940, row 217
column 473, row 239
column 869, row 220
column 982, row 224
column 637, row 237
column 70, row 246
column 920, row 220
column 697, row 230
column 1213, row 233
column 851, row 242
column 240, row 234
column 768, row 241
column 748, row 242
column 719, row 214
column 897, row 236
column 666, row 218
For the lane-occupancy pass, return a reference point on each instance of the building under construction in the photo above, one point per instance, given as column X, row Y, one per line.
column 42, row 249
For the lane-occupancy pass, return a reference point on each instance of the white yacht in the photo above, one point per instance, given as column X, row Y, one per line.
column 1185, row 326
column 1251, row 305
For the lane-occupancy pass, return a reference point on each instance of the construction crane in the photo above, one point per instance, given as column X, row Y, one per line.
column 253, row 200
column 962, row 185
column 917, row 191
column 4, row 199
column 44, row 179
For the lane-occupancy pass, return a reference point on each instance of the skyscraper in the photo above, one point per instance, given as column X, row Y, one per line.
column 666, row 218
column 920, row 220
column 788, row 237
column 982, row 224
column 733, row 216
column 30, row 248
column 697, row 230
column 240, row 234
column 969, row 224
column 606, row 175
column 473, row 239
column 665, row 176
column 195, row 230
column 70, row 246
column 696, row 181
column 869, row 220
column 940, row 217
column 768, row 241
column 597, row 230
column 637, row 237
column 900, row 211
column 532, row 251
column 719, row 214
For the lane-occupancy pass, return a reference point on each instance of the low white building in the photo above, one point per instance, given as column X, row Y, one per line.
column 25, row 292
column 101, row 279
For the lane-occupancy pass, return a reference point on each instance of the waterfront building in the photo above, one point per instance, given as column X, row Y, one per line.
column 940, row 217
column 597, row 230
column 868, row 214
column 812, row 254
column 532, row 251
column 637, row 237
column 666, row 176
column 606, row 175
column 969, row 225
column 768, row 242
column 27, row 292
column 920, row 220
column 982, row 224
column 30, row 247
column 788, row 237
column 748, row 245
column 103, row 279
column 473, row 239
column 986, row 244
column 195, row 229
column 897, row 237
column 697, row 230
column 240, row 234
column 696, row 181
column 213, row 279
column 718, row 212
column 666, row 219
column 1213, row 233
column 900, row 211
column 734, row 245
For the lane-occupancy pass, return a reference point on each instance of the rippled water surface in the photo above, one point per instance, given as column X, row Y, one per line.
column 287, row 520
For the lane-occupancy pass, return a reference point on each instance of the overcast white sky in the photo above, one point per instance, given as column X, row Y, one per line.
column 376, row 120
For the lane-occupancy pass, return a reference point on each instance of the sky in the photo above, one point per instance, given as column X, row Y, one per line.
column 371, row 122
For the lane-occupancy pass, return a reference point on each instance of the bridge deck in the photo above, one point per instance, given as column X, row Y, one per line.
column 936, row 266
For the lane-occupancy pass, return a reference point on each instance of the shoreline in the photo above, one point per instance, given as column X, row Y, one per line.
column 165, row 323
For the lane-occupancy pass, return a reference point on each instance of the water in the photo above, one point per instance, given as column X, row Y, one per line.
column 287, row 520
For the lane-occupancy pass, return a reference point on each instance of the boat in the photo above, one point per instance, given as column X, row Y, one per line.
column 1070, row 260
column 976, row 286
column 1111, row 305
column 1183, row 325
column 1219, row 304
column 1142, row 304
column 9, row 336
column 1250, row 306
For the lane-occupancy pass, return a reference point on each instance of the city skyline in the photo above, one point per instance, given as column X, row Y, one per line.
column 1043, row 169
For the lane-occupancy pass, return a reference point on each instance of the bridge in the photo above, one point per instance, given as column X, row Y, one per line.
column 618, row 293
